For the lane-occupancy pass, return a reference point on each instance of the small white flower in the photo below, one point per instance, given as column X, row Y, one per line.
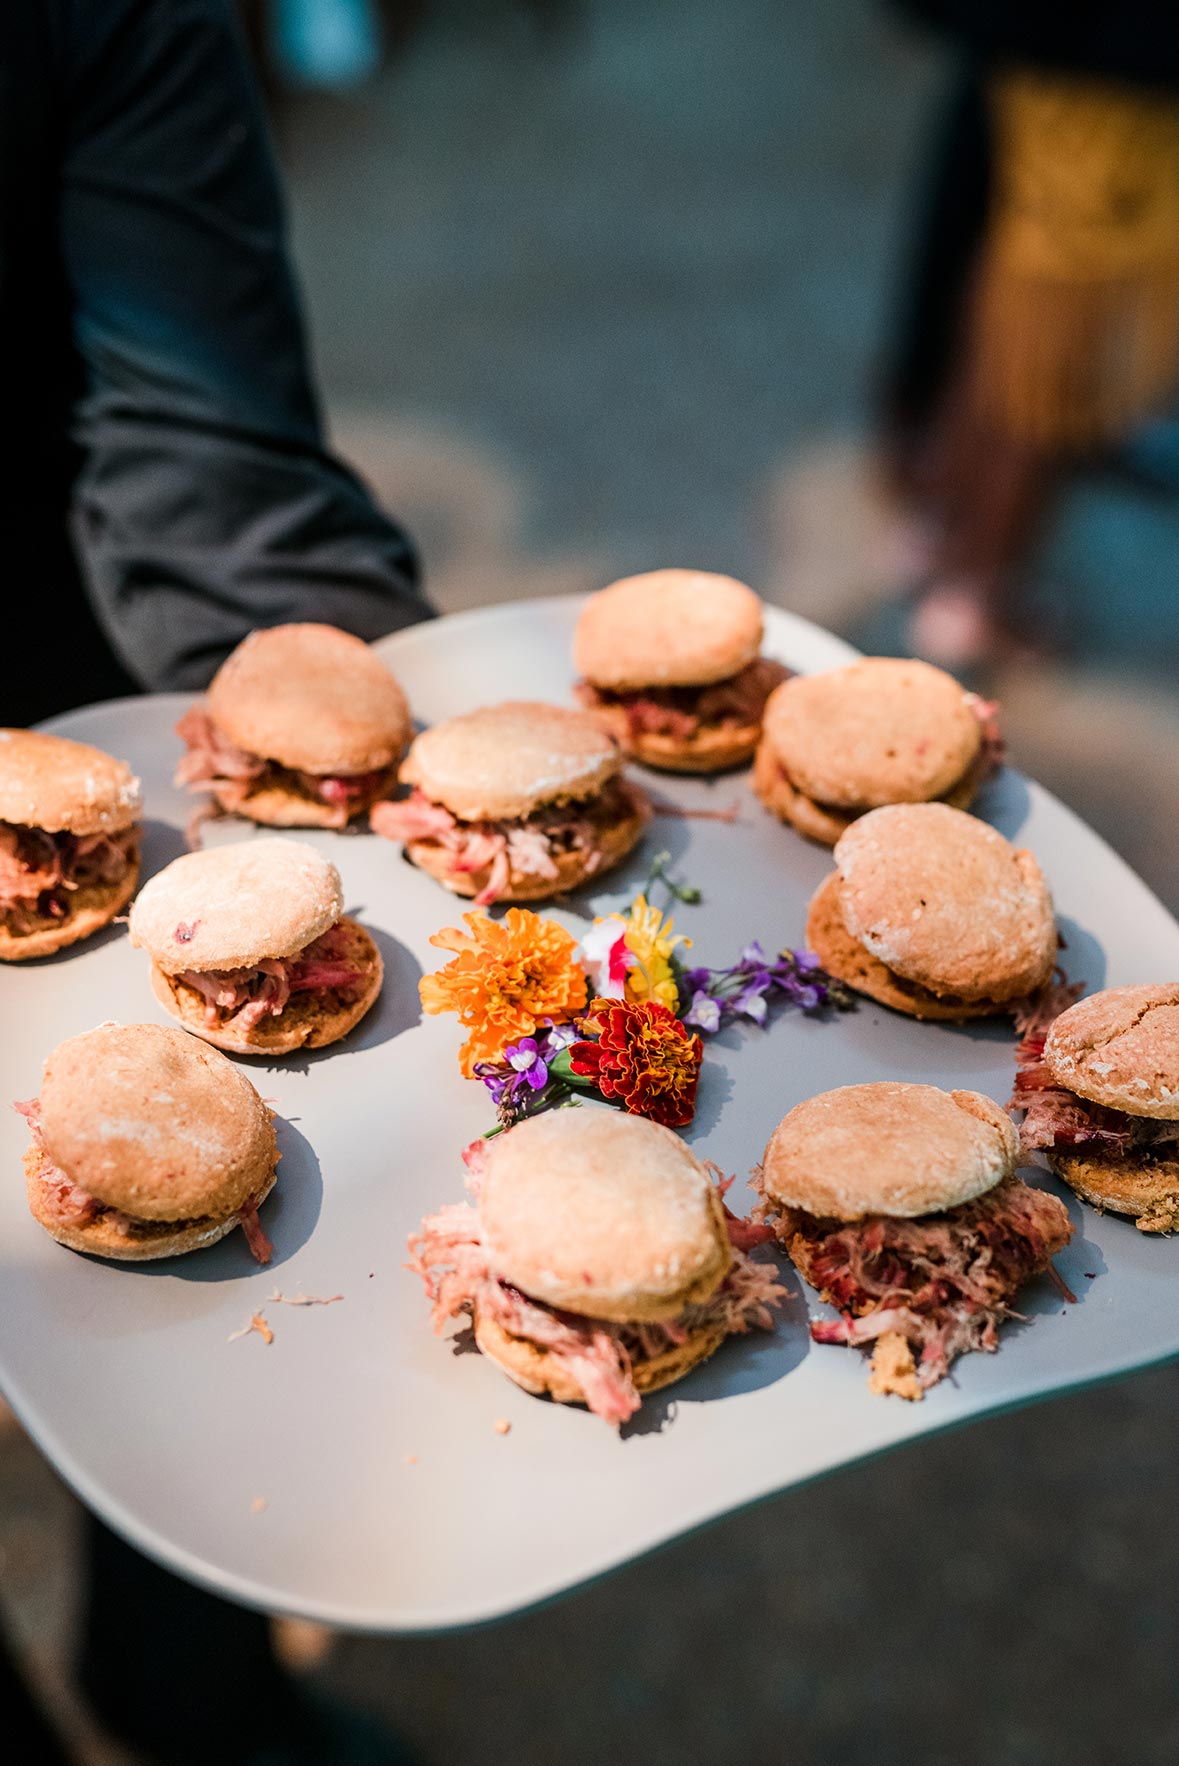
column 604, row 960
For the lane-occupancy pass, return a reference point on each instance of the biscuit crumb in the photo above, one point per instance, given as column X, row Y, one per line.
column 410, row 1459
column 893, row 1368
column 259, row 1505
column 257, row 1323
column 502, row 1426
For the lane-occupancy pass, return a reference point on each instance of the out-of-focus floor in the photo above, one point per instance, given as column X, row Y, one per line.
column 606, row 297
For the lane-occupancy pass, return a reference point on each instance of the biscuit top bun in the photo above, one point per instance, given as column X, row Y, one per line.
column 669, row 628
column 945, row 901
column 313, row 698
column 509, row 759
column 1120, row 1048
column 155, row 1122
column 604, row 1214
column 888, row 1148
column 879, row 731
column 228, row 907
column 62, row 786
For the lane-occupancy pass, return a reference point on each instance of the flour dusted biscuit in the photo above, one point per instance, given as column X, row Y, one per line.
column 1099, row 1085
column 844, row 957
column 69, row 842
column 900, row 1205
column 1120, row 1048
column 515, row 802
column 671, row 665
column 879, row 731
column 941, row 903
column 596, row 1260
column 302, row 726
column 147, row 1144
column 251, row 949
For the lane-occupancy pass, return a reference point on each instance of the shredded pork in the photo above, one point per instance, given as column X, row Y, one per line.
column 213, row 762
column 244, row 998
column 682, row 712
column 71, row 1206
column 992, row 749
column 511, row 849
column 600, row 1357
column 1056, row 1117
column 944, row 1282
column 40, row 872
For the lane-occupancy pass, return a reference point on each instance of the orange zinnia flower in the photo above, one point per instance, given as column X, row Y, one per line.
column 644, row 1057
column 507, row 977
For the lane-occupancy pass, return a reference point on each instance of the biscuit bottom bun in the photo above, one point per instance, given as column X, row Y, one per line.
column 86, row 909
column 517, row 802
column 1099, row 1084
column 671, row 669
column 933, row 913
column 899, row 1205
column 311, row 1019
column 877, row 732
column 147, row 1144
column 303, row 726
column 69, row 842
column 596, row 1261
column 251, row 948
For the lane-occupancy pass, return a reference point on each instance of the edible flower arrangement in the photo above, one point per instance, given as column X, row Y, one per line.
column 617, row 1015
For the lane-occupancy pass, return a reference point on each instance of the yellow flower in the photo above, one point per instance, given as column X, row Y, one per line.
column 650, row 940
column 506, row 978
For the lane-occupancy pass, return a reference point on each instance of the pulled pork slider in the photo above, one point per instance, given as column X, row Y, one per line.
column 147, row 1144
column 671, row 666
column 933, row 913
column 1100, row 1085
column 302, row 727
column 69, row 841
column 597, row 1260
column 515, row 803
column 251, row 949
column 879, row 731
column 899, row 1204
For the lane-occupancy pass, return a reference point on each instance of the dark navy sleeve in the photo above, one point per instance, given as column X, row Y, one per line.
column 206, row 503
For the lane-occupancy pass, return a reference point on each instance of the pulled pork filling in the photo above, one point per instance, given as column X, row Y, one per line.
column 943, row 1282
column 599, row 1356
column 514, row 848
column 39, row 871
column 683, row 712
column 244, row 998
column 213, row 762
column 1055, row 1117
column 67, row 1204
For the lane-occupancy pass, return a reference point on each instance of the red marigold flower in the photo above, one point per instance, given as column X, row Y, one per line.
column 644, row 1056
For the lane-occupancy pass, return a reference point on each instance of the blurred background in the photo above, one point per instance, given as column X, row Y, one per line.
column 600, row 285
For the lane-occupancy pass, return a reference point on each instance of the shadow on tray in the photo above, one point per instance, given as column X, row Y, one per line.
column 288, row 1215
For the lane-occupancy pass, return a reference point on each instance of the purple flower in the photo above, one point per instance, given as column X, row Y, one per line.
column 496, row 1080
column 528, row 1063
column 748, row 988
column 751, row 1001
column 704, row 1012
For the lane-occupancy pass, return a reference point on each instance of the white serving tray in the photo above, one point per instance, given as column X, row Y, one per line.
column 351, row 1471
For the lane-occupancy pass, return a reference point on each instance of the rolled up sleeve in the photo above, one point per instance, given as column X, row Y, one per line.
column 206, row 503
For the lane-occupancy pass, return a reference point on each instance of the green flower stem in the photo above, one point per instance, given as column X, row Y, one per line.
column 685, row 892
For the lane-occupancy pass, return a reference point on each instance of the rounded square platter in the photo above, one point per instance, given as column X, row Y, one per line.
column 352, row 1470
